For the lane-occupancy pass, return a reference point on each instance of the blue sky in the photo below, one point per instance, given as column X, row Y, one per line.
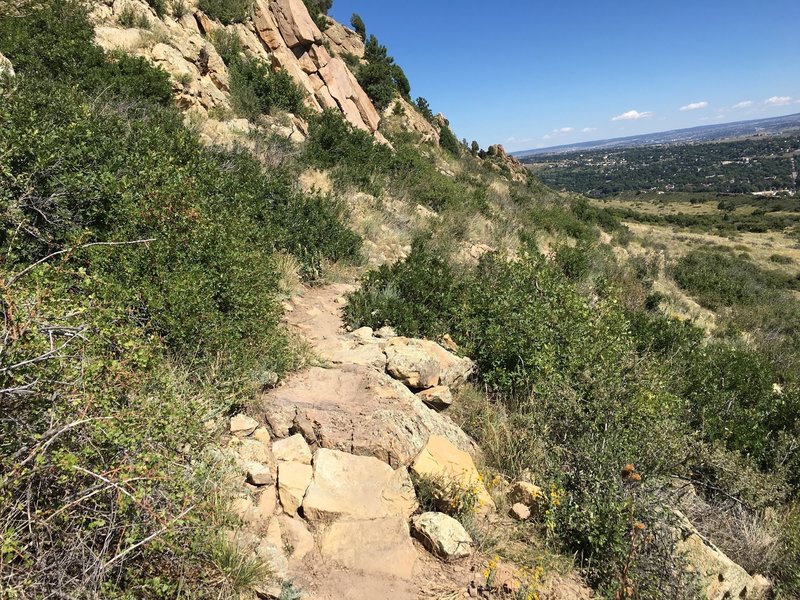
column 530, row 74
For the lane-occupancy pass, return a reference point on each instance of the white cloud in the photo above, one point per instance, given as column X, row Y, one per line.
column 632, row 115
column 564, row 130
column 744, row 104
column 778, row 101
column 695, row 106
column 589, row 129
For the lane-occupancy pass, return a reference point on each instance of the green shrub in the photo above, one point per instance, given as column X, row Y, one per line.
column 381, row 78
column 226, row 12
column 448, row 141
column 724, row 279
column 130, row 17
column 358, row 26
column 318, row 9
column 159, row 6
column 256, row 88
column 781, row 259
column 54, row 40
column 424, row 108
column 376, row 80
column 139, row 300
column 228, row 45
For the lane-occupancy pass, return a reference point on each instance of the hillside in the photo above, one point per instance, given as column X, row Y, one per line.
column 271, row 331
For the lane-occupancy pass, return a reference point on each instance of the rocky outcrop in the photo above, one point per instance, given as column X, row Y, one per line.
column 343, row 40
column 401, row 115
column 497, row 156
column 295, row 44
column 280, row 32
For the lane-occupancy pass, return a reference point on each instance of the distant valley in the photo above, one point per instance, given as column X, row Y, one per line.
column 705, row 133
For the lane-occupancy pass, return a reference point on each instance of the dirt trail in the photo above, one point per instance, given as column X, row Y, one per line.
column 359, row 396
column 317, row 316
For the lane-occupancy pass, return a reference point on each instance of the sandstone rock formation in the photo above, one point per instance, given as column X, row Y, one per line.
column 381, row 546
column 242, row 425
column 280, row 32
column 500, row 159
column 293, row 481
column 438, row 398
column 401, row 115
column 343, row 40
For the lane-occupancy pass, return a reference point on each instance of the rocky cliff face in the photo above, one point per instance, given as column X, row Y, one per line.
column 280, row 32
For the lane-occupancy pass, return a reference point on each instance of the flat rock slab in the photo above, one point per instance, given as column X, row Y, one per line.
column 372, row 546
column 292, row 449
column 362, row 487
column 358, row 410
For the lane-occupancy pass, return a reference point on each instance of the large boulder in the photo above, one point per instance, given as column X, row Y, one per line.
column 422, row 364
column 345, row 485
column 442, row 535
column 409, row 363
column 358, row 410
column 449, row 468
column 381, row 546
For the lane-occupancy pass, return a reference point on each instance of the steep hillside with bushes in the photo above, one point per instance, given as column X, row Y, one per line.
column 270, row 330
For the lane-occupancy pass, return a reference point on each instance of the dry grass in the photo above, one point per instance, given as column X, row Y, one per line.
column 750, row 539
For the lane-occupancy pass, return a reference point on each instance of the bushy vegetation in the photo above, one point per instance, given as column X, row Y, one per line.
column 318, row 9
column 255, row 88
column 355, row 159
column 138, row 301
column 717, row 278
column 448, row 141
column 226, row 12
